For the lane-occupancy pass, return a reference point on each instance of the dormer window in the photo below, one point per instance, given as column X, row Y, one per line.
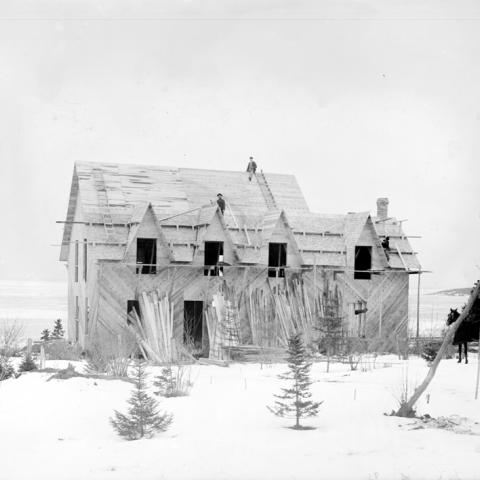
column 147, row 255
column 213, row 251
column 363, row 263
column 277, row 258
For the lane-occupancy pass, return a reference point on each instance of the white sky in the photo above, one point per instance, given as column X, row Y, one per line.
column 358, row 99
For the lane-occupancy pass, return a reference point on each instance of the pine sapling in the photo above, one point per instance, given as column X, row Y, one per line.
column 295, row 401
column 45, row 336
column 27, row 364
column 58, row 331
column 143, row 418
column 165, row 382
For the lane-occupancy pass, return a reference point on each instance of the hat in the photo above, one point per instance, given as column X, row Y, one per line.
column 219, row 195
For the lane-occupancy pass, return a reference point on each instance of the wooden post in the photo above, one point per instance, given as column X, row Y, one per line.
column 418, row 307
column 29, row 346
column 42, row 357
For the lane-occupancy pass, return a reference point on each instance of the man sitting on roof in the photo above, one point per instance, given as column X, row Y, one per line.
column 221, row 202
column 251, row 168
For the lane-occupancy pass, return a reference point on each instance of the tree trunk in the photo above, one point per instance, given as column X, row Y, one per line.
column 406, row 410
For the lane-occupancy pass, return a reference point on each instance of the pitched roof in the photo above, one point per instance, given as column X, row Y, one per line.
column 184, row 200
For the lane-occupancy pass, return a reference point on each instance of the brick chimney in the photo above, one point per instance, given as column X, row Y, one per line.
column 382, row 208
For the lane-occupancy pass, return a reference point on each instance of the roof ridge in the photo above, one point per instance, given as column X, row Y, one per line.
column 160, row 167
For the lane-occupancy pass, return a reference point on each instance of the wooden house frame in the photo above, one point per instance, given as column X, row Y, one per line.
column 117, row 212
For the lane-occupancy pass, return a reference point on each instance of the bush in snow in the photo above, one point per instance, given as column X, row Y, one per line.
column 430, row 350
column 11, row 334
column 58, row 331
column 62, row 350
column 295, row 401
column 403, row 394
column 143, row 418
column 173, row 382
column 27, row 364
column 353, row 350
column 6, row 368
column 111, row 354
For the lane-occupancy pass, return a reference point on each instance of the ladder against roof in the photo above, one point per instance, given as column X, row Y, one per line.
column 401, row 258
column 266, row 191
column 230, row 211
column 102, row 198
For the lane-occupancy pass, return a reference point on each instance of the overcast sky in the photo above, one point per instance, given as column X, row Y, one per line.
column 358, row 99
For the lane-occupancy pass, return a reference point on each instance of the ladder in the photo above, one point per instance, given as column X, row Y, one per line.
column 103, row 205
column 266, row 191
column 401, row 257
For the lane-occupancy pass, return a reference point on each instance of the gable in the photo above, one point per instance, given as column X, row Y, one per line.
column 360, row 231
column 215, row 231
column 368, row 237
column 147, row 226
column 277, row 230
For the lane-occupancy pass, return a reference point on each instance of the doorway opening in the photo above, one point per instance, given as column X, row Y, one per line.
column 195, row 336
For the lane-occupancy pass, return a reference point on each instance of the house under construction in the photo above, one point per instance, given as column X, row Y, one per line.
column 151, row 240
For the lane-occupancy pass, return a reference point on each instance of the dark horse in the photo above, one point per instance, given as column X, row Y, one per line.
column 468, row 331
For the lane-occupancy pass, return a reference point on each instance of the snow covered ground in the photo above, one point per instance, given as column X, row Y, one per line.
column 60, row 429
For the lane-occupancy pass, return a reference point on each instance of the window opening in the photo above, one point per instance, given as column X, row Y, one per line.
column 213, row 250
column 277, row 257
column 363, row 263
column 147, row 255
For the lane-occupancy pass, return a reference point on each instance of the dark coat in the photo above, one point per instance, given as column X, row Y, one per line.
column 221, row 204
column 252, row 166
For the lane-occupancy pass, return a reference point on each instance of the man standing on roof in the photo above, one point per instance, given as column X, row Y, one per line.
column 221, row 202
column 251, row 168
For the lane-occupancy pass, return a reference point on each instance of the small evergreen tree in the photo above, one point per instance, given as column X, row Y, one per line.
column 45, row 336
column 295, row 401
column 27, row 364
column 143, row 418
column 58, row 331
column 165, row 382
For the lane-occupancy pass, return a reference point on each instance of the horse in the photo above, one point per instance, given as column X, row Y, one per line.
column 468, row 331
